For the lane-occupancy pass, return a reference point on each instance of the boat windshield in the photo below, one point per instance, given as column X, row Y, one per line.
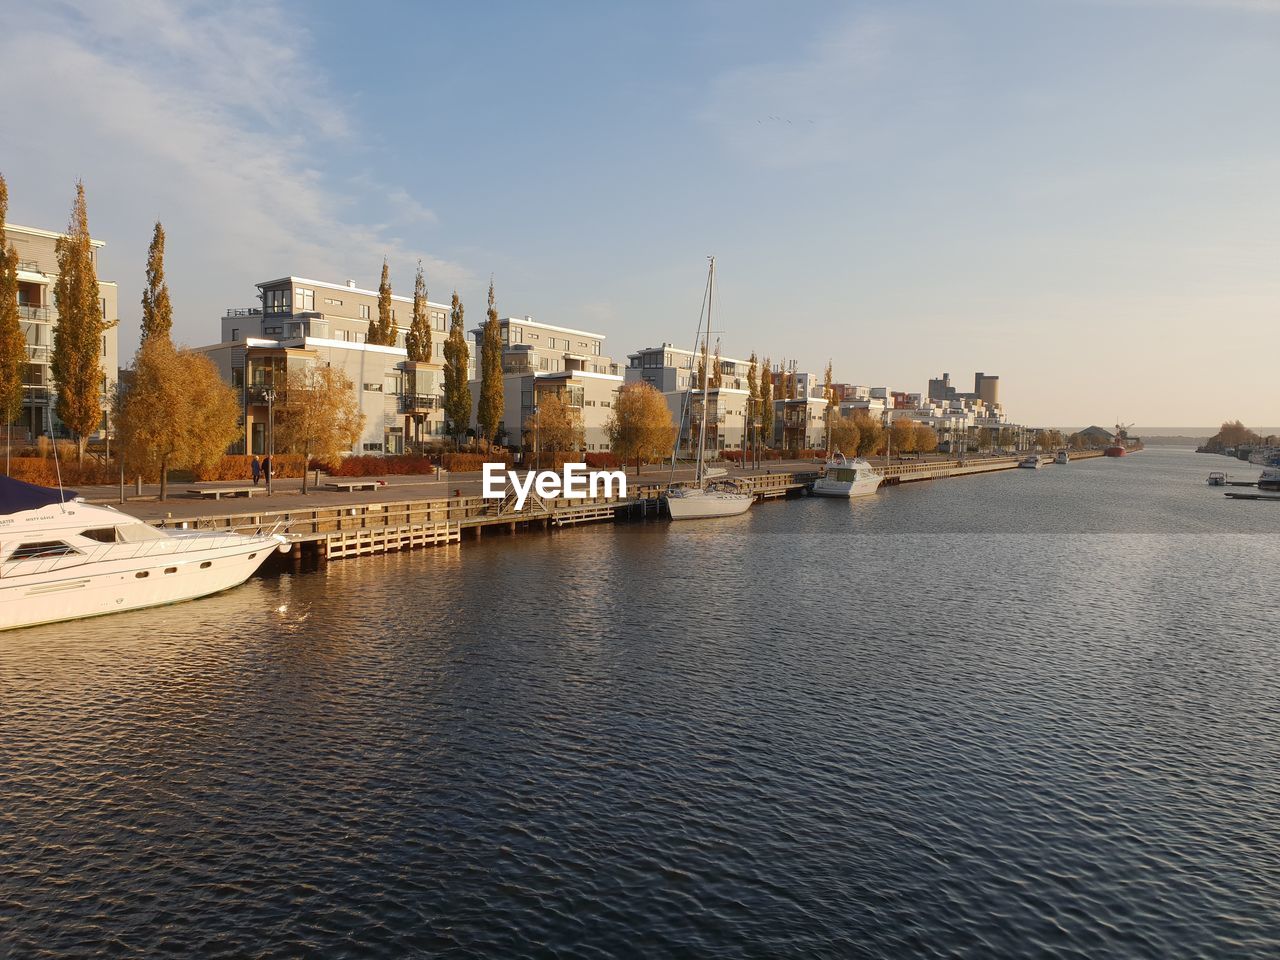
column 138, row 532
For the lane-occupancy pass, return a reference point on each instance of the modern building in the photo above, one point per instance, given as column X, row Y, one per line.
column 538, row 358
column 38, row 314
column 673, row 372
column 302, row 322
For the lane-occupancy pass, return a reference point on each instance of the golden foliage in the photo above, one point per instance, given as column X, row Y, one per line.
column 641, row 427
column 555, row 425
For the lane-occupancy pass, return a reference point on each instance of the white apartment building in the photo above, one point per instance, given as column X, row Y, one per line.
column 38, row 315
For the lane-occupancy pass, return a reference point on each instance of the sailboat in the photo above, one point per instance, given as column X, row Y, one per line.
column 705, row 497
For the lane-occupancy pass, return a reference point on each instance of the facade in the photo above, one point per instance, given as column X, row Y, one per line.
column 673, row 372
column 539, row 358
column 38, row 314
column 302, row 322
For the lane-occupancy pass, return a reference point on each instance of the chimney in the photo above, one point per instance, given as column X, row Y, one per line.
column 351, row 284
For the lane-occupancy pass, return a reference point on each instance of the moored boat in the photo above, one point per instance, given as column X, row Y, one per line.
column 1217, row 479
column 1062, row 457
column 1270, row 479
column 847, row 478
column 1030, row 463
column 64, row 559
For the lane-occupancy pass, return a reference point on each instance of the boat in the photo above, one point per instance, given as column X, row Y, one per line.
column 1270, row 479
column 1030, row 463
column 1119, row 447
column 710, row 494
column 847, row 478
column 64, row 559
column 1062, row 457
column 1217, row 479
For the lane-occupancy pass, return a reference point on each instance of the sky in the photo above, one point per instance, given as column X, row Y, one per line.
column 1077, row 195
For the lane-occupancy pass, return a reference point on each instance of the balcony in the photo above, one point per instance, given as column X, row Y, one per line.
column 418, row 403
column 257, row 393
column 243, row 312
column 37, row 314
column 30, row 266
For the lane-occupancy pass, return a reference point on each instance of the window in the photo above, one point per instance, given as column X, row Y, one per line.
column 534, row 336
column 101, row 534
column 39, row 549
column 373, row 388
column 170, row 569
column 104, row 308
column 373, row 448
column 237, row 376
column 104, row 344
column 275, row 330
column 235, row 333
column 304, row 299
column 330, row 302
column 275, row 301
column 206, row 565
column 364, row 311
column 591, row 403
column 142, row 574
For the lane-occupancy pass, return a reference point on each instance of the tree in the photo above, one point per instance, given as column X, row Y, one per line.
column 318, row 414
column 717, row 371
column 766, row 403
column 157, row 311
column 902, row 433
column 176, row 412
column 828, row 394
column 554, row 424
column 457, row 394
column 641, row 427
column 926, row 438
column 985, row 438
column 870, row 433
column 1007, row 437
column 418, row 340
column 753, row 398
column 13, row 344
column 845, row 435
column 489, row 410
column 382, row 330
column 77, row 340
column 1042, row 439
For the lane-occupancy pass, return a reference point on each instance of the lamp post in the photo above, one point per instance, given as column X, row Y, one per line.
column 270, row 396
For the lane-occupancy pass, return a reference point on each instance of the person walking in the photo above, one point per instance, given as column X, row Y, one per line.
column 266, row 468
column 256, row 466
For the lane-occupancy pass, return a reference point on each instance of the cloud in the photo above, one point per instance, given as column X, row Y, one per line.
column 213, row 117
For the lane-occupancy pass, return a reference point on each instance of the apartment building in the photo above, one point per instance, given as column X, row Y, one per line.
column 38, row 315
column 540, row 358
column 301, row 322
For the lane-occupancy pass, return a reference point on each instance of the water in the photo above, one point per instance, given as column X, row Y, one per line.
column 1025, row 714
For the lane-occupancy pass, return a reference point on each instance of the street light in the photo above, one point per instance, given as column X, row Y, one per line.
column 270, row 396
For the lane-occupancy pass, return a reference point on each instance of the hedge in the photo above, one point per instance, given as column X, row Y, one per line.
column 468, row 462
column 44, row 472
column 239, row 467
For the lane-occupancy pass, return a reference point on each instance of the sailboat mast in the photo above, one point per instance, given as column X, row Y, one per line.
column 702, row 426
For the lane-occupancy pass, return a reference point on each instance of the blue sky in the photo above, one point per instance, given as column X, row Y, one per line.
column 1079, row 195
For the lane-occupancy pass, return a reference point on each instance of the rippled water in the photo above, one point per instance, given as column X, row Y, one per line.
column 1027, row 714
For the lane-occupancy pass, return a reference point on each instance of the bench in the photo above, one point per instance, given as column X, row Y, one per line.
column 217, row 493
column 350, row 486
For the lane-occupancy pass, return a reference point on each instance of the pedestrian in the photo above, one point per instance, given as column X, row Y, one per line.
column 256, row 466
column 266, row 468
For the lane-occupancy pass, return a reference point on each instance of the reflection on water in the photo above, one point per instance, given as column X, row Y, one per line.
column 1029, row 713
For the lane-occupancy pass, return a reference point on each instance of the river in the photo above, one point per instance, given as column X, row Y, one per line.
column 1030, row 713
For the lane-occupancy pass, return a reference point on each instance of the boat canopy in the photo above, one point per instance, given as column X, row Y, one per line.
column 16, row 496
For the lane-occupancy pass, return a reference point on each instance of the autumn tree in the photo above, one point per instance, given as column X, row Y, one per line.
column 985, row 438
column 926, row 438
column 766, row 403
column 176, row 413
column 554, row 424
column 845, row 435
column 489, row 410
column 870, row 433
column 828, row 394
column 382, row 331
column 418, row 340
column 641, row 427
column 753, row 398
column 318, row 414
column 1007, row 437
column 77, row 339
column 13, row 344
column 457, row 394
column 157, row 311
column 902, row 434
column 717, row 370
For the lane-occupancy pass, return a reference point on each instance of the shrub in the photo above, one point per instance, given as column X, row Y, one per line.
column 238, row 467
column 603, row 460
column 468, row 462
column 375, row 466
column 44, row 472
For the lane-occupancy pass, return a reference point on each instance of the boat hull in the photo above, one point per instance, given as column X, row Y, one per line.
column 155, row 578
column 1115, row 451
column 700, row 505
column 846, row 489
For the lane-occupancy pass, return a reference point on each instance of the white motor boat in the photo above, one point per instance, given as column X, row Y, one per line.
column 1030, row 463
column 1270, row 479
column 703, row 499
column 1062, row 457
column 63, row 559
column 1217, row 479
column 847, row 478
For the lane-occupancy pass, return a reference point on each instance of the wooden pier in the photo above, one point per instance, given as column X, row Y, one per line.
column 364, row 528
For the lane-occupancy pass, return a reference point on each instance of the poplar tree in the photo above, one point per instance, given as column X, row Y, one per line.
column 418, row 340
column 753, row 396
column 717, row 374
column 13, row 344
column 384, row 334
column 157, row 311
column 829, row 395
column 766, row 403
column 457, row 393
column 77, row 339
column 489, row 412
